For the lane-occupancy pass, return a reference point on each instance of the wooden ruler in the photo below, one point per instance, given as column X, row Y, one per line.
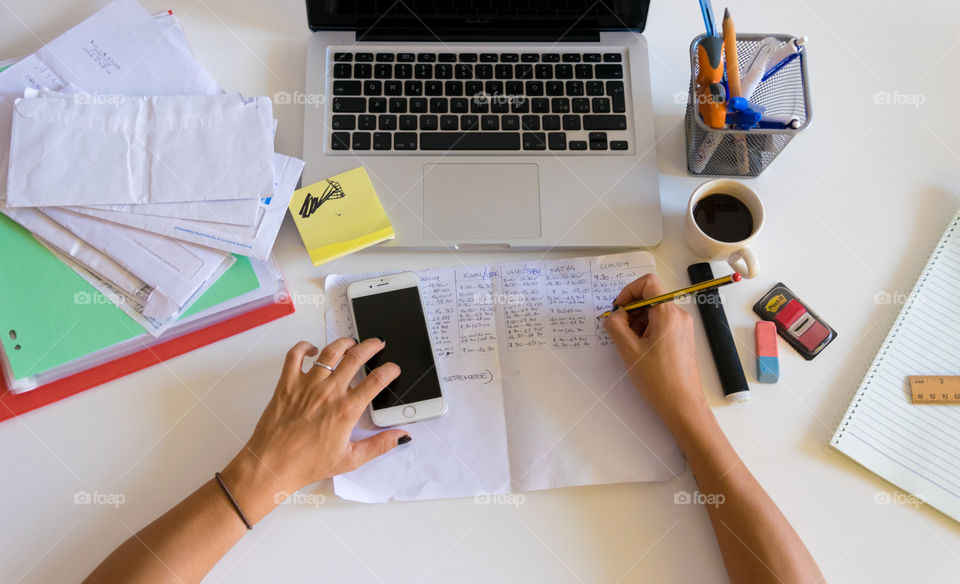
column 935, row 389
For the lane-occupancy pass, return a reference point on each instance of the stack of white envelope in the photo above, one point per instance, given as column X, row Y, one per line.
column 125, row 158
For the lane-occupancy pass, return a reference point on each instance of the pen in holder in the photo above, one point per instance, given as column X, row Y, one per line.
column 785, row 95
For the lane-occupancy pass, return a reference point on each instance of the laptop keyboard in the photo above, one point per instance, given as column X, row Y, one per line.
column 510, row 102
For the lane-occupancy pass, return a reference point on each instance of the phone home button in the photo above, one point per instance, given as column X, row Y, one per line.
column 409, row 412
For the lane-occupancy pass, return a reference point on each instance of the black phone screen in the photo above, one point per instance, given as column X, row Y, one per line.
column 397, row 317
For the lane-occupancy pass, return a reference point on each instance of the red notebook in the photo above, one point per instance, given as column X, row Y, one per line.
column 12, row 405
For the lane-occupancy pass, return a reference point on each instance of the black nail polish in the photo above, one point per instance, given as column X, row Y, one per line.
column 382, row 340
column 355, row 340
column 615, row 308
column 404, row 439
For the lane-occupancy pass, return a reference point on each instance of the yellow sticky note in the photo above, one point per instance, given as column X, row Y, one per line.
column 340, row 215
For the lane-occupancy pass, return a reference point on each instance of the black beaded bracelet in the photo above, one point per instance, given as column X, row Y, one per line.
column 233, row 501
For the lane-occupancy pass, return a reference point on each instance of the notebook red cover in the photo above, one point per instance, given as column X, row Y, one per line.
column 12, row 405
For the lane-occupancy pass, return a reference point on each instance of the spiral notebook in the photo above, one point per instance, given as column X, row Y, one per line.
column 915, row 447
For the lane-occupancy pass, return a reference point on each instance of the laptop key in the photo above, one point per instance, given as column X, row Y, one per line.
column 493, row 87
column 530, row 57
column 350, row 104
column 405, row 141
column 571, row 122
column 397, row 105
column 618, row 145
column 540, row 105
column 453, row 88
column 469, row 141
column 520, row 106
column 560, row 105
column 571, row 57
column 406, row 57
column 514, row 88
column 612, row 57
column 523, row 71
column 347, row 87
column 534, row 141
column 342, row 71
column 468, row 57
column 372, row 87
column 594, row 87
column 606, row 71
column 574, row 88
column 469, row 122
column 449, row 122
column 348, row 122
column 601, row 105
column 447, row 58
column 428, row 122
column 382, row 141
column 557, row 140
column 426, row 57
column 551, row 58
column 591, row 58
column 483, row 71
column 615, row 91
column 438, row 105
column 503, row 71
column 577, row 145
column 340, row 140
column 473, row 88
column 583, row 71
column 604, row 122
column 501, row 106
column 413, row 87
column 462, row 71
column 551, row 122
column 384, row 58
column 581, row 105
column 598, row 140
column 387, row 122
column 479, row 105
column 383, row 70
column 554, row 88
column 544, row 71
column 364, row 57
column 377, row 105
column 509, row 57
column 510, row 122
column 392, row 87
column 418, row 105
column 341, row 57
column 407, row 122
column 366, row 122
column 361, row 140
column 529, row 122
column 363, row 71
column 459, row 105
column 433, row 88
column 490, row 122
column 403, row 71
column 534, row 87
column 443, row 71
column 563, row 71
column 423, row 71
column 488, row 58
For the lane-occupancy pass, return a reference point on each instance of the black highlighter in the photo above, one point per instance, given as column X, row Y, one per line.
column 732, row 379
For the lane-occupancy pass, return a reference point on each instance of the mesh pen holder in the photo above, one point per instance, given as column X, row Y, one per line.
column 723, row 152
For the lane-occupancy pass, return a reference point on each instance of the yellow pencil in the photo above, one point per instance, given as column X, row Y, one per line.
column 730, row 47
column 734, row 277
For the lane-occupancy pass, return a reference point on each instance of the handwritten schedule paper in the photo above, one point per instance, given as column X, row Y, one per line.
column 537, row 396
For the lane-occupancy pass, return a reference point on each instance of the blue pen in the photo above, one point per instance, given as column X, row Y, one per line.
column 778, row 66
column 708, row 19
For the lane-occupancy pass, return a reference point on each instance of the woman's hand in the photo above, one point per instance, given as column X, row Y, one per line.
column 303, row 435
column 656, row 345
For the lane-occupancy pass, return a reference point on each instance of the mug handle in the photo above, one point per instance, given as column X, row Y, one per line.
column 744, row 261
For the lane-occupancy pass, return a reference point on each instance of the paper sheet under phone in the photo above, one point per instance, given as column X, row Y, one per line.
column 537, row 397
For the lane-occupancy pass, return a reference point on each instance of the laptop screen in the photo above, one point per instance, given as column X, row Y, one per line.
column 432, row 18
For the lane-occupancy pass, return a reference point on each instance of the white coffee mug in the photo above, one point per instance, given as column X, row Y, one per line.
column 737, row 253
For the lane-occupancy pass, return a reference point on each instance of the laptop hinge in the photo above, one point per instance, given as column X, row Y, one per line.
column 479, row 36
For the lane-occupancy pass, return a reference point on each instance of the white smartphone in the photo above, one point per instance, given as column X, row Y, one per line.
column 390, row 307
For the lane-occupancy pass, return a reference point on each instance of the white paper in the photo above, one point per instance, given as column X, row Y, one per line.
column 176, row 269
column 255, row 241
column 120, row 50
column 537, row 396
column 137, row 150
column 234, row 212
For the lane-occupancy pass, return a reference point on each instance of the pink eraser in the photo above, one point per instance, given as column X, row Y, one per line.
column 766, row 336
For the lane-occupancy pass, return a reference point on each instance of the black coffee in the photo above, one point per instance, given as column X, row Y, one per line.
column 723, row 217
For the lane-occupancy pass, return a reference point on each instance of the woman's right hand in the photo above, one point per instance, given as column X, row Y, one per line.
column 656, row 346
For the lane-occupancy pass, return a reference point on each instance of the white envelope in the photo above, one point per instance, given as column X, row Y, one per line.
column 234, row 212
column 176, row 269
column 79, row 150
column 255, row 241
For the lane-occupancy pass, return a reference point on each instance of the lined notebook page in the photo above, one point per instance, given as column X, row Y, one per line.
column 915, row 447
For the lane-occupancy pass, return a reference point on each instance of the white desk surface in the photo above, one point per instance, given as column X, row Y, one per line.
column 853, row 206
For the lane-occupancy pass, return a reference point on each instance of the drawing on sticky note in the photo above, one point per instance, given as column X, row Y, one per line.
column 311, row 203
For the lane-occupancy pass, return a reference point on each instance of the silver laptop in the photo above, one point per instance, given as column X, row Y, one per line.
column 488, row 124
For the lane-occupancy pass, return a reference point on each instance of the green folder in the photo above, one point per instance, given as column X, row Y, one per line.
column 49, row 315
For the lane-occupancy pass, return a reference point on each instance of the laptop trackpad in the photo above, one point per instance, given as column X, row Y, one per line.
column 481, row 201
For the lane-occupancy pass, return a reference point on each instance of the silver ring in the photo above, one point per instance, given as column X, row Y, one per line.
column 324, row 365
